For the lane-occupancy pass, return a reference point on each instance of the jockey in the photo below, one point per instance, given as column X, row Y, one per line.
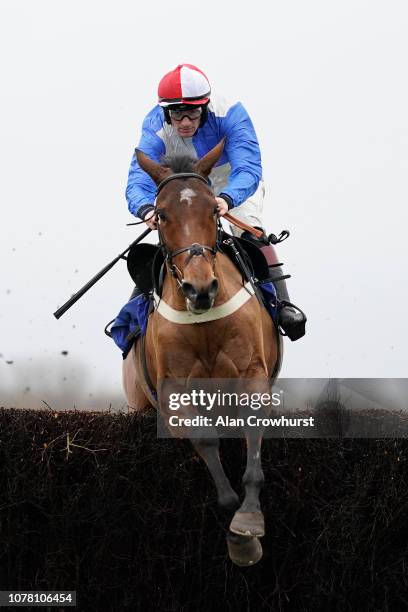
column 186, row 121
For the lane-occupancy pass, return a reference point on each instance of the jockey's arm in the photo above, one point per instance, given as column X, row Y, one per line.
column 141, row 189
column 243, row 153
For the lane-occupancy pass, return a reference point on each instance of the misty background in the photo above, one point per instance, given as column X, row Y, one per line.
column 325, row 85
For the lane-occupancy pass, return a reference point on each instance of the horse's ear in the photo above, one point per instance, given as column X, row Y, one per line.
column 206, row 163
column 153, row 169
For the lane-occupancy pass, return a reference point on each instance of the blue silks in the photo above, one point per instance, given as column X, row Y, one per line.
column 271, row 299
column 237, row 172
column 135, row 315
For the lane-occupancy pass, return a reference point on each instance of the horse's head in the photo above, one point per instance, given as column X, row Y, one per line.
column 186, row 212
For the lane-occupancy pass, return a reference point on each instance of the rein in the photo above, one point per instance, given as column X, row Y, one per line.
column 181, row 175
column 228, row 217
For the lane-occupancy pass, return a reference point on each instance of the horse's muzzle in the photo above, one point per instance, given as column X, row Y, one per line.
column 200, row 300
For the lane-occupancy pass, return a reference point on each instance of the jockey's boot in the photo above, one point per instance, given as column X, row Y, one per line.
column 291, row 319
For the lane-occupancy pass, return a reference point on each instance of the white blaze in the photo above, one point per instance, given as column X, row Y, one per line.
column 186, row 195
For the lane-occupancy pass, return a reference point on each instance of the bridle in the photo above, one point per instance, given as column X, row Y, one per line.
column 195, row 249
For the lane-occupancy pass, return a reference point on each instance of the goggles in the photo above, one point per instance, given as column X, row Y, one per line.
column 178, row 115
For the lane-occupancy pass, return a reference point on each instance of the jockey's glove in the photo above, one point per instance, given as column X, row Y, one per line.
column 144, row 210
column 228, row 200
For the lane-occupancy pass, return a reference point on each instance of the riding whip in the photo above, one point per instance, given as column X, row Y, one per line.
column 58, row 313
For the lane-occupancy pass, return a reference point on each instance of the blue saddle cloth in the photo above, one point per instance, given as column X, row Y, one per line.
column 134, row 316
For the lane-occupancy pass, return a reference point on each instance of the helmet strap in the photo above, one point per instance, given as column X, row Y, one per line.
column 204, row 115
column 166, row 115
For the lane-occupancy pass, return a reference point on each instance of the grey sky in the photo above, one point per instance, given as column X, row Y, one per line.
column 326, row 86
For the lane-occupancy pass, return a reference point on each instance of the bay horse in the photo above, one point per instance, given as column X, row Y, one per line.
column 244, row 344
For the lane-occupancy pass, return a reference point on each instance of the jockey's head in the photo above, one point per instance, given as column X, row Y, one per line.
column 184, row 94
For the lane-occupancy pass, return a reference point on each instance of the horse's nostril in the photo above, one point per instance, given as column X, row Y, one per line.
column 189, row 291
column 201, row 299
column 213, row 288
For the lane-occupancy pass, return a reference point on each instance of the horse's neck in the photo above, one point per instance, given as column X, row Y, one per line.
column 229, row 279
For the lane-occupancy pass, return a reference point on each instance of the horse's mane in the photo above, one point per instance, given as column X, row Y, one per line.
column 179, row 163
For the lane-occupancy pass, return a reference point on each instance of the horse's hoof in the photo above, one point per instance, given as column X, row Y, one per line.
column 244, row 551
column 248, row 524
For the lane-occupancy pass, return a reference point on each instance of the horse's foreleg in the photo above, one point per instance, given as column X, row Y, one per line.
column 208, row 449
column 243, row 551
column 249, row 520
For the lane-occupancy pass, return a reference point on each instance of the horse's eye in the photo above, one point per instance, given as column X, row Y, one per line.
column 161, row 215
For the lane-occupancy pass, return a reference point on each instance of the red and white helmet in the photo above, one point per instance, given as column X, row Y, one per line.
column 186, row 84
